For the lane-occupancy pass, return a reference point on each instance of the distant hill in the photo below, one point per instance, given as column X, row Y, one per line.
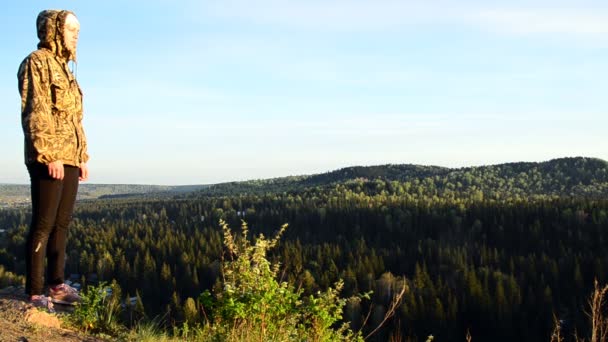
column 577, row 176
column 18, row 194
column 133, row 190
column 295, row 183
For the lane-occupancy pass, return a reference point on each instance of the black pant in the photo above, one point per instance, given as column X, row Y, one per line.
column 52, row 207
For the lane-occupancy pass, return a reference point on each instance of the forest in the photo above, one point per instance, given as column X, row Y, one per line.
column 496, row 251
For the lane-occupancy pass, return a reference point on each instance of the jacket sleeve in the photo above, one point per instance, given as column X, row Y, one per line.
column 36, row 109
column 84, row 154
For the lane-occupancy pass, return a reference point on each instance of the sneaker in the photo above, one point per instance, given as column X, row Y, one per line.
column 40, row 301
column 64, row 294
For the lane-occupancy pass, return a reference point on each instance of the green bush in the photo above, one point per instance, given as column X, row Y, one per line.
column 250, row 304
column 99, row 309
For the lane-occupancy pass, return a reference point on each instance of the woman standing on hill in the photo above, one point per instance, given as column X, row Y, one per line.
column 55, row 152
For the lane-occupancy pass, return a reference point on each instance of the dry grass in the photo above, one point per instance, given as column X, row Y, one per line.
column 395, row 302
column 15, row 327
column 597, row 318
column 556, row 335
column 599, row 323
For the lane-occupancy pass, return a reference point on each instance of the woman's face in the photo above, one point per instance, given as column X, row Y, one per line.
column 70, row 33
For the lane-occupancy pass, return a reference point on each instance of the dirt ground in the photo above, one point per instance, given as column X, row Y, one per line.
column 20, row 322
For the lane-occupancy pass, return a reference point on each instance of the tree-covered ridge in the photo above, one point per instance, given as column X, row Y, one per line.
column 559, row 177
column 580, row 177
column 297, row 183
column 494, row 261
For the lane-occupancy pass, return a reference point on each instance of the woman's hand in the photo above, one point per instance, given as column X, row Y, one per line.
column 56, row 169
column 84, row 172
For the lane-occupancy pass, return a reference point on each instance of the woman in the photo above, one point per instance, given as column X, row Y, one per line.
column 55, row 152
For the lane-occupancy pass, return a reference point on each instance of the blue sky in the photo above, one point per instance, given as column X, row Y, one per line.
column 195, row 92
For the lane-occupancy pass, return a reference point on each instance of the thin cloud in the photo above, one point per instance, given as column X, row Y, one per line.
column 577, row 22
column 324, row 15
column 389, row 15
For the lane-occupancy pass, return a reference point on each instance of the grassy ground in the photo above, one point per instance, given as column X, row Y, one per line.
column 14, row 325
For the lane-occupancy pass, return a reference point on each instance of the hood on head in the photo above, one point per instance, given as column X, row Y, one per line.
column 50, row 25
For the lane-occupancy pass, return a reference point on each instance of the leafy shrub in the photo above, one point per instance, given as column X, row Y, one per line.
column 250, row 304
column 98, row 312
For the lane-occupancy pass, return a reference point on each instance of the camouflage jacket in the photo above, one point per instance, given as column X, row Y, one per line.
column 51, row 100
